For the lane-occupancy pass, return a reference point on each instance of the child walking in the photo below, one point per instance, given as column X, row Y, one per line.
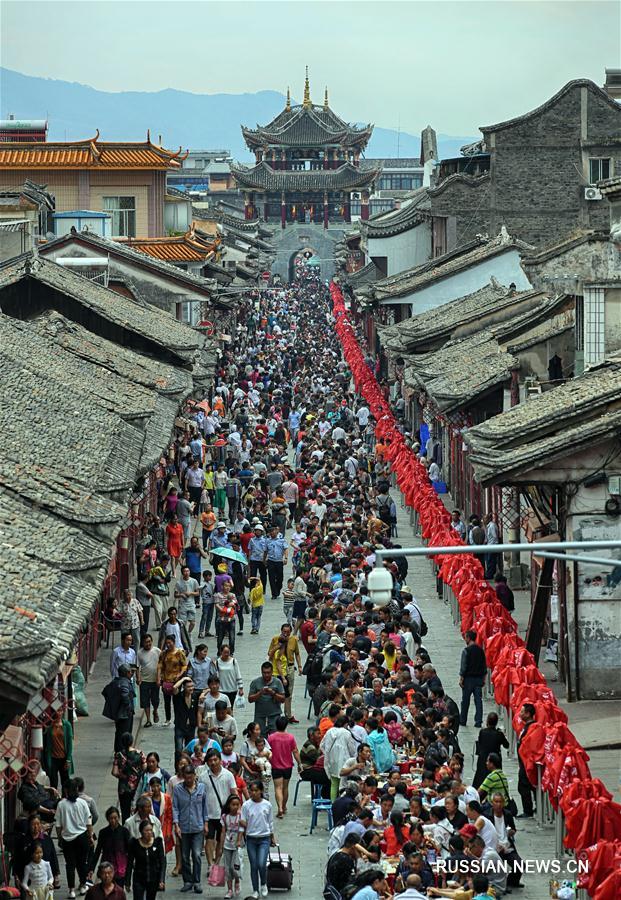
column 231, row 818
column 38, row 879
column 257, row 600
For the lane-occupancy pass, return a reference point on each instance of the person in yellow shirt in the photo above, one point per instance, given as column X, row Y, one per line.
column 257, row 601
column 208, row 484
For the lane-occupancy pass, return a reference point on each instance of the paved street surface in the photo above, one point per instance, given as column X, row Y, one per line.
column 95, row 739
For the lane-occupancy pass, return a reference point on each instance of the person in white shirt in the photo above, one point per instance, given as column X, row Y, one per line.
column 338, row 434
column 257, row 824
column 38, row 880
column 219, row 785
column 74, row 826
column 362, row 415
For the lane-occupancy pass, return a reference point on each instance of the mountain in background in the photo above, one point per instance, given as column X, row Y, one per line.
column 199, row 121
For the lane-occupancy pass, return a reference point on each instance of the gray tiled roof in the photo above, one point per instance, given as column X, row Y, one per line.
column 365, row 275
column 444, row 266
column 41, row 610
column 33, row 350
column 145, row 322
column 46, row 538
column 440, row 322
column 46, row 422
column 556, row 423
column 411, row 213
column 302, row 126
column 263, row 178
column 461, row 370
column 124, row 251
column 143, row 370
column 60, row 490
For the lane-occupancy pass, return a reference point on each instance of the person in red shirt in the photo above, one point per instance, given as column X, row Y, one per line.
column 308, row 631
column 284, row 754
column 244, row 539
column 396, row 835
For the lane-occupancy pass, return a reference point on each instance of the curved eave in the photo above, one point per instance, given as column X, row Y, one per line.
column 328, row 179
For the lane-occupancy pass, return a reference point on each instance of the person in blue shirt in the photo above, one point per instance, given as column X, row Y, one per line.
column 190, row 824
column 257, row 554
column 219, row 537
column 277, row 552
column 372, row 884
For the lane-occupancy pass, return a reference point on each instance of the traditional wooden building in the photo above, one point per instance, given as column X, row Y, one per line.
column 307, row 166
column 123, row 178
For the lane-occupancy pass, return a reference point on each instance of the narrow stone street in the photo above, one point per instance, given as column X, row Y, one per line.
column 309, row 852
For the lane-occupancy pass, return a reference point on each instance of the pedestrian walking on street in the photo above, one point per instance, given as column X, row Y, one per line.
column 191, row 826
column 257, row 826
column 472, row 674
column 146, row 863
column 75, row 836
column 119, row 695
column 147, row 680
column 257, row 554
column 128, row 765
column 226, row 613
column 268, row 695
column 276, row 559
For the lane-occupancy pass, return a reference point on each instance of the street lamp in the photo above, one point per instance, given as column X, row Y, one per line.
column 379, row 584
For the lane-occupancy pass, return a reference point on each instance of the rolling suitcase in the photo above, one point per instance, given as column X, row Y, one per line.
column 279, row 870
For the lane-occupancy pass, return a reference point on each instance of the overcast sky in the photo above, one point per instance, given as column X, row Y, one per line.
column 455, row 64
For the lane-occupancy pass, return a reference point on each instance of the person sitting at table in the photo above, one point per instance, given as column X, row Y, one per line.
column 401, row 798
column 342, row 865
column 418, row 812
column 370, row 843
column 411, row 890
column 439, row 828
column 454, row 813
column 371, row 885
column 345, row 804
column 396, row 835
column 414, row 863
column 382, row 813
column 360, row 825
column 359, row 765
column 312, row 762
column 477, row 886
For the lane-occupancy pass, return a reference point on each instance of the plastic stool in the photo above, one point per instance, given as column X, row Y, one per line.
column 320, row 805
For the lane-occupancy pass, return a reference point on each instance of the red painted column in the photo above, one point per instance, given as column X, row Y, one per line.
column 347, row 211
column 265, row 213
column 364, row 206
column 325, row 211
column 283, row 212
column 247, row 208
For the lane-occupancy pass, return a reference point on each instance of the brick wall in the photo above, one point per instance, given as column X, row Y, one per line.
column 538, row 172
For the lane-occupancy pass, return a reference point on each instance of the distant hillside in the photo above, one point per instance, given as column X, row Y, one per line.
column 205, row 121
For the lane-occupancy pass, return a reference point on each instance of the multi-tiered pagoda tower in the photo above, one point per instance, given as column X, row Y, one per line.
column 307, row 166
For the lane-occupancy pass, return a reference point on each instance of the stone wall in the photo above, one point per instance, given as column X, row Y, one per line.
column 468, row 201
column 539, row 169
column 288, row 241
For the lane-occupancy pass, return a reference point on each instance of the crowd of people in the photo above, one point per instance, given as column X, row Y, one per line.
column 279, row 465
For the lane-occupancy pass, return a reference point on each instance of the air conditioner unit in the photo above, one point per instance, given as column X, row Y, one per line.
column 356, row 196
column 592, row 193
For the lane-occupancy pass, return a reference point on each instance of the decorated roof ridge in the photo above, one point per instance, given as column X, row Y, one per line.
column 95, row 143
column 447, row 317
column 263, row 178
column 575, row 239
column 125, row 250
column 547, row 104
column 395, row 221
column 580, row 400
column 448, row 264
column 462, row 178
column 461, row 370
column 90, row 152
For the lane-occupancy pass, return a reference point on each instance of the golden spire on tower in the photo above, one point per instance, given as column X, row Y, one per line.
column 288, row 106
column 325, row 100
column 307, row 100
